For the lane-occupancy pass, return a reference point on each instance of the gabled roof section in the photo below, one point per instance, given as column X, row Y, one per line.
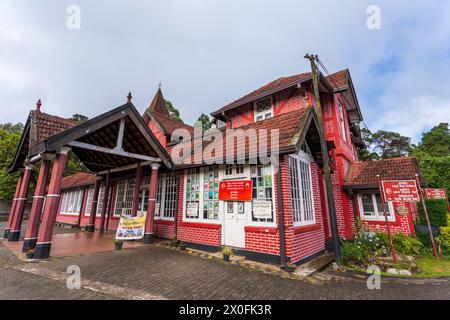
column 295, row 128
column 95, row 141
column 363, row 174
column 271, row 87
column 38, row 127
column 169, row 125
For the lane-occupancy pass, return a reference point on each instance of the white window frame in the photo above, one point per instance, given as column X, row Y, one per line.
column 274, row 198
column 71, row 202
column 307, row 159
column 161, row 206
column 200, row 218
column 342, row 121
column 124, row 210
column 379, row 216
column 263, row 114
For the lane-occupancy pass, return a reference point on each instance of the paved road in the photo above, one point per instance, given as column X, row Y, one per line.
column 157, row 272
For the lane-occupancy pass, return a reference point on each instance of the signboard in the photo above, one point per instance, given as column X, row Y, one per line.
column 401, row 190
column 435, row 193
column 262, row 209
column 131, row 228
column 192, row 209
column 402, row 210
column 235, row 190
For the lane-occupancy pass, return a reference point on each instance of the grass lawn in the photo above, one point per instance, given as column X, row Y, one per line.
column 433, row 268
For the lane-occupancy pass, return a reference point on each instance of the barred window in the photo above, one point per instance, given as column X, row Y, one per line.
column 301, row 189
column 193, row 193
column 124, row 197
column 263, row 109
column 262, row 181
column 170, row 196
column 371, row 207
column 71, row 202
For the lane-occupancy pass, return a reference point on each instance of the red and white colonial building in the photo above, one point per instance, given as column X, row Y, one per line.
column 130, row 165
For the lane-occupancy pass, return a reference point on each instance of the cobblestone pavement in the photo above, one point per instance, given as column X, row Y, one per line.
column 159, row 272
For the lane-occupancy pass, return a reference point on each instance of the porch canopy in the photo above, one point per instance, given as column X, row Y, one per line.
column 116, row 139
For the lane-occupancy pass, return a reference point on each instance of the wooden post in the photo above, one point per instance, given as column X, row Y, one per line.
column 104, row 204
column 148, row 234
column 13, row 205
column 137, row 190
column 91, row 225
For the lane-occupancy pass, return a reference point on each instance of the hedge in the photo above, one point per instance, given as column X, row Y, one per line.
column 437, row 212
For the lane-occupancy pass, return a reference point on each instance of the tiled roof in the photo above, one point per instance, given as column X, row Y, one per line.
column 48, row 125
column 290, row 126
column 274, row 85
column 339, row 79
column 169, row 124
column 77, row 180
column 158, row 104
column 365, row 173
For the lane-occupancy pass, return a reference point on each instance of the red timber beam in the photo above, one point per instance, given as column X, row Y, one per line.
column 44, row 241
column 38, row 202
column 91, row 225
column 101, row 228
column 112, row 201
column 13, row 205
column 16, row 224
column 137, row 190
column 149, row 222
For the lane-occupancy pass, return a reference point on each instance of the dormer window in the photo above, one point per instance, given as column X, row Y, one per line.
column 263, row 109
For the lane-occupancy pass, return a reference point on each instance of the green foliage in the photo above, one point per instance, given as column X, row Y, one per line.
column 383, row 144
column 437, row 212
column 364, row 248
column 353, row 254
column 205, row 121
column 173, row 112
column 366, row 154
column 433, row 155
column 9, row 140
column 79, row 117
column 406, row 244
column 227, row 251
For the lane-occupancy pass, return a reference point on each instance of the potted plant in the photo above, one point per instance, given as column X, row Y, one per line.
column 227, row 252
column 30, row 253
column 289, row 267
column 182, row 246
column 118, row 244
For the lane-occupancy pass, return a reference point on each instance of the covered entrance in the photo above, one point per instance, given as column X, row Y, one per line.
column 236, row 218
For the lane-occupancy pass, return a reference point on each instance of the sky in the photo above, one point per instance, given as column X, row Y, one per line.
column 208, row 53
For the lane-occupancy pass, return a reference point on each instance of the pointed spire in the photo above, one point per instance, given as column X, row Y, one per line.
column 158, row 104
column 38, row 105
column 129, row 97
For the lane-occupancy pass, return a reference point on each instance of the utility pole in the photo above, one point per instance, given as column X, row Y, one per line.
column 326, row 160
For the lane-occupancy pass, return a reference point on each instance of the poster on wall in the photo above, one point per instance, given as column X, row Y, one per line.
column 235, row 190
column 400, row 190
column 192, row 209
column 262, row 209
column 131, row 228
column 435, row 193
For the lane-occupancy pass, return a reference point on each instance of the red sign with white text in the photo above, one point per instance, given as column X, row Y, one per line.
column 401, row 190
column 435, row 193
column 235, row 190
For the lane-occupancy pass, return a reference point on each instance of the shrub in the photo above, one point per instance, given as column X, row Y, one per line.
column 437, row 212
column 353, row 253
column 406, row 244
column 364, row 248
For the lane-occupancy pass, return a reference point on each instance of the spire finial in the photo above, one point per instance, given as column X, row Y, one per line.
column 38, row 105
column 160, row 84
column 129, row 97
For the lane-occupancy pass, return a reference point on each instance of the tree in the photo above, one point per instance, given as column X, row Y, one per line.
column 79, row 117
column 9, row 140
column 364, row 154
column 433, row 155
column 387, row 144
column 173, row 112
column 205, row 121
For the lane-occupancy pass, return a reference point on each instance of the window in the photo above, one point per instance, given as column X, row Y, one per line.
column 342, row 122
column 263, row 109
column 87, row 211
column 371, row 207
column 301, row 189
column 166, row 196
column 124, row 197
column 71, row 203
column 90, row 197
column 239, row 169
column 261, row 176
column 228, row 169
column 202, row 194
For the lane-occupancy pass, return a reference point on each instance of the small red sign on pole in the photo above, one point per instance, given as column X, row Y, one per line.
column 400, row 190
column 235, row 190
column 435, row 193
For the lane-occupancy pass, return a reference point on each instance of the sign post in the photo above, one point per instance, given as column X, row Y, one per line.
column 391, row 243
column 425, row 211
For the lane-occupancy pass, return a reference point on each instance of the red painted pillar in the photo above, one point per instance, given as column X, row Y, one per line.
column 36, row 209
column 13, row 206
column 137, row 190
column 16, row 224
column 112, row 202
column 84, row 197
column 101, row 228
column 91, row 225
column 148, row 234
column 44, row 241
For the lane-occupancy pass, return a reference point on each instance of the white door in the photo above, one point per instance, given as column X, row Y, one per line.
column 143, row 201
column 236, row 214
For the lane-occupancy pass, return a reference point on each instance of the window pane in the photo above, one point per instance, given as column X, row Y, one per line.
column 367, row 203
column 380, row 206
column 262, row 187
